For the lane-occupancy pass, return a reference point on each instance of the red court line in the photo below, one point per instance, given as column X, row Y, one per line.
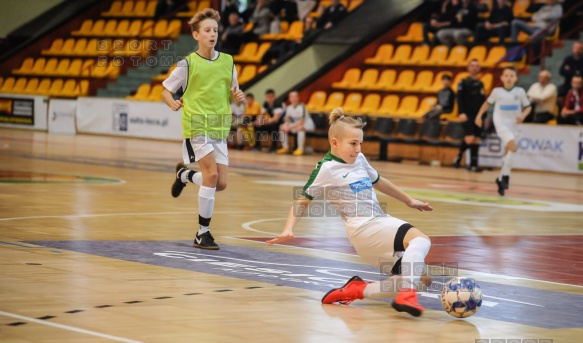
column 548, row 258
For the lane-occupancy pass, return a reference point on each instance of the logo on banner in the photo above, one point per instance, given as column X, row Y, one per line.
column 120, row 117
column 17, row 111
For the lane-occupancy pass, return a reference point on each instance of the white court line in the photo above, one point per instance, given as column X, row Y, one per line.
column 513, row 301
column 69, row 328
column 130, row 214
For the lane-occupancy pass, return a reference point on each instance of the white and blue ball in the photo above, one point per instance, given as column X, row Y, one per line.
column 461, row 297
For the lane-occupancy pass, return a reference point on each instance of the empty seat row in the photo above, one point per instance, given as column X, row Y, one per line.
column 406, row 81
column 440, row 55
column 372, row 104
column 129, row 8
column 193, row 8
column 244, row 73
column 147, row 92
column 349, row 4
column 55, row 87
column 295, row 31
column 252, row 52
column 67, row 67
column 127, row 28
column 99, row 47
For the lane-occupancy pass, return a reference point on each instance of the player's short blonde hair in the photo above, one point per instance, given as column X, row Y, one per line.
column 207, row 13
column 338, row 121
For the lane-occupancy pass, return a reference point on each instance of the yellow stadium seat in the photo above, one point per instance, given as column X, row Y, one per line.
column 354, row 4
column 262, row 68
column 295, row 31
column 352, row 103
column 386, row 80
column 248, row 51
column 114, row 10
column 284, row 28
column 7, row 85
column 408, row 106
column 135, row 29
column 122, row 28
column 402, row 54
column 477, row 53
column 316, row 102
column 87, row 68
column 97, row 29
column 494, row 55
column 425, row 106
column 370, row 104
column 68, row 46
column 110, row 28
column 73, row 69
column 414, row 34
column 519, row 9
column 457, row 57
column 39, row 66
column 419, row 56
column 422, row 81
column 334, row 100
column 160, row 28
column 62, row 69
column 56, row 87
column 487, row 81
column 438, row 54
column 19, row 86
column 97, row 48
column 80, row 47
column 173, row 29
column 127, row 9
column 156, row 93
column 368, row 80
column 31, row 86
column 104, row 71
column 388, row 106
column 142, row 93
column 351, row 77
column 85, row 28
column 260, row 52
column 43, row 87
column 404, row 81
column 150, row 9
column 383, row 54
column 83, row 88
column 25, row 67
column 69, row 89
column 202, row 4
column 139, row 9
column 147, row 28
column 55, row 49
column 249, row 72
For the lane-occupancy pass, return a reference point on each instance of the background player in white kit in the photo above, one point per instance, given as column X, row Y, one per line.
column 511, row 108
column 344, row 179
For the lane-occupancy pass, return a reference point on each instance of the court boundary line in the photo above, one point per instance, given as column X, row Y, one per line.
column 69, row 328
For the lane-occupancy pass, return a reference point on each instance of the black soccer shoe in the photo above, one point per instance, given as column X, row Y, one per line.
column 500, row 185
column 205, row 241
column 506, row 180
column 178, row 185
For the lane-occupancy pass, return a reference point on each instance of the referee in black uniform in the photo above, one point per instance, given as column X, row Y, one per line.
column 471, row 95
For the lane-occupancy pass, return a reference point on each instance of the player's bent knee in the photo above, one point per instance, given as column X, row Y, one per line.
column 221, row 186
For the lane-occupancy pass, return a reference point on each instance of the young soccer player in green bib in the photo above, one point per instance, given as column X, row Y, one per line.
column 208, row 80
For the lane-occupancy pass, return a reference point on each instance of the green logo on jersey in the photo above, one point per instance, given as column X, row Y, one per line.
column 344, row 176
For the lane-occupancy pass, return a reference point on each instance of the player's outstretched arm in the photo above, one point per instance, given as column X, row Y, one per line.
column 524, row 114
column 387, row 187
column 295, row 213
column 175, row 105
column 483, row 110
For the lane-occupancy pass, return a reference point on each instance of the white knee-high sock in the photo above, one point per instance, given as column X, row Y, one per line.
column 414, row 257
column 301, row 139
column 206, row 205
column 191, row 176
column 506, row 165
column 285, row 141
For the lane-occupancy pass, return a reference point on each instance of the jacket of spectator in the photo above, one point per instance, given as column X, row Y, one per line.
column 546, row 14
column 333, row 14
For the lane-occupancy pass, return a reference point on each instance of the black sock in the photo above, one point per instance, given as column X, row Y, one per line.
column 190, row 175
column 204, row 221
column 474, row 150
column 463, row 148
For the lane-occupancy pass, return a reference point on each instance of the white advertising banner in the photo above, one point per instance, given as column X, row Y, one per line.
column 121, row 117
column 62, row 116
column 23, row 111
column 540, row 147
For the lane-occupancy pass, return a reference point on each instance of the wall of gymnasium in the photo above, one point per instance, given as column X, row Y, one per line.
column 20, row 12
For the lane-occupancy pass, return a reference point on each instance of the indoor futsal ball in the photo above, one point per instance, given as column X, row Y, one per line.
column 461, row 297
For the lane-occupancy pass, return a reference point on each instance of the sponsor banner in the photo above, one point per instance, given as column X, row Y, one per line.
column 540, row 147
column 121, row 117
column 23, row 111
column 62, row 116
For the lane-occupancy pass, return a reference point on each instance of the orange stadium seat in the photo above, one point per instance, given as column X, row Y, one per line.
column 383, row 54
column 438, row 54
column 83, row 88
column 150, row 9
column 419, row 56
column 110, row 29
column 519, row 9
column 404, row 81
column 295, row 31
column 114, row 10
column 283, row 27
column 69, row 89
column 39, row 66
column 31, row 86
column 62, row 69
column 261, row 68
column 260, row 52
column 368, row 79
column 160, row 28
column 316, row 102
column 56, row 87
column 386, row 80
column 477, row 53
column 202, row 4
column 351, row 77
column 122, row 28
column 402, row 54
column 457, row 57
column 7, row 85
column 388, row 106
column 73, row 69
column 43, row 87
column 414, row 34
column 85, row 28
column 20, row 85
column 173, row 28
column 127, row 9
column 408, row 106
column 354, row 4
column 423, row 79
column 487, row 81
column 135, row 29
column 139, row 9
column 25, row 67
column 80, row 47
column 247, row 52
column 97, row 29
column 142, row 93
column 370, row 104
column 55, row 48
column 425, row 106
column 458, row 78
column 86, row 68
column 436, row 85
column 352, row 103
column 156, row 93
column 335, row 99
column 147, row 29
column 249, row 72
column 495, row 54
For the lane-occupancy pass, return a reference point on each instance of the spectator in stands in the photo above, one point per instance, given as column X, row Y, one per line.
column 543, row 95
column 572, row 113
column 332, row 15
column 445, row 100
column 498, row 23
column 571, row 65
column 298, row 121
column 441, row 20
column 232, row 36
column 261, row 20
column 462, row 25
column 167, row 6
column 269, row 123
column 280, row 48
column 543, row 17
column 285, row 9
column 252, row 109
column 238, row 112
column 230, row 8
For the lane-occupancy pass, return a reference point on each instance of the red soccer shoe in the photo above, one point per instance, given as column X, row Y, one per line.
column 406, row 301
column 346, row 294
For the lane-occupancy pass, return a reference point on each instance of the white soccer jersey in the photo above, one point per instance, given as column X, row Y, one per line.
column 508, row 106
column 344, row 190
column 296, row 113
